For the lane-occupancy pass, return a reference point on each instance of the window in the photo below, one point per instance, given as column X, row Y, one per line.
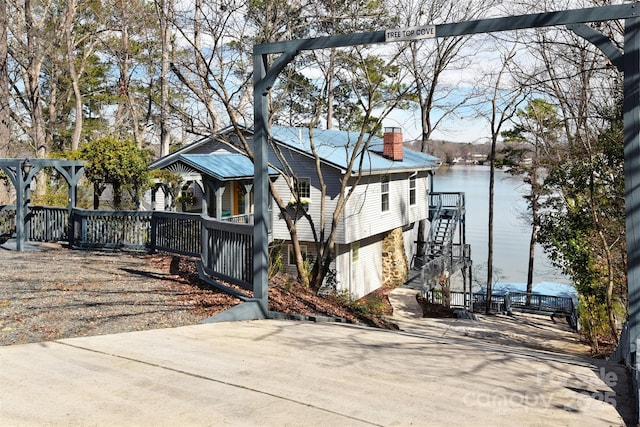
column 355, row 252
column 384, row 192
column 292, row 256
column 412, row 190
column 302, row 186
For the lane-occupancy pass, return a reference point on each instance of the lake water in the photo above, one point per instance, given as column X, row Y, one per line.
column 511, row 232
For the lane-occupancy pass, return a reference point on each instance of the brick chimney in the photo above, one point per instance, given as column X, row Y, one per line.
column 392, row 144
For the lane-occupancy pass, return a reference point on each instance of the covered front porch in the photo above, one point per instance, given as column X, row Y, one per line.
column 219, row 186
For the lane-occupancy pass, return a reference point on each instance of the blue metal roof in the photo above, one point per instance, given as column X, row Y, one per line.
column 336, row 147
column 223, row 167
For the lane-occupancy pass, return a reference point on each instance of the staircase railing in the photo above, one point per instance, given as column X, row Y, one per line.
column 444, row 253
column 445, row 208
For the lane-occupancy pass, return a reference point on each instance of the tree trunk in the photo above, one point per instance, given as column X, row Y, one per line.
column 5, row 111
column 204, row 92
column 330, row 89
column 534, row 232
column 492, row 173
column 97, row 191
column 73, row 74
column 532, row 252
column 166, row 9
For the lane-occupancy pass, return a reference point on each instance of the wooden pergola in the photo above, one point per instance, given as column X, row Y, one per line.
column 269, row 59
column 22, row 171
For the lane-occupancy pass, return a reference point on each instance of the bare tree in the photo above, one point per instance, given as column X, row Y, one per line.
column 5, row 112
column 211, row 60
column 429, row 60
column 29, row 45
column 165, row 16
column 79, row 46
column 585, row 87
column 504, row 97
column 132, row 44
column 333, row 17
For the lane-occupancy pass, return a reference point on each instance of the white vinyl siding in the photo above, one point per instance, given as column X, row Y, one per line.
column 306, row 168
column 365, row 276
column 362, row 217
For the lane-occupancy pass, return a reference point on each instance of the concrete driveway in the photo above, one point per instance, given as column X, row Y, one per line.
column 285, row 373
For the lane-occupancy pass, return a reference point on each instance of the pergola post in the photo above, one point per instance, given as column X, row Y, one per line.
column 21, row 174
column 632, row 182
column 20, row 208
column 261, row 179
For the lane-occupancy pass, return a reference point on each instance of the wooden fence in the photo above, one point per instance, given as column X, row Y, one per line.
column 111, row 229
column 46, row 224
column 227, row 251
column 43, row 224
column 176, row 232
column 225, row 246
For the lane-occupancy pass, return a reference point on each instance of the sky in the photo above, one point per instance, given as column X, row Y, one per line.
column 457, row 129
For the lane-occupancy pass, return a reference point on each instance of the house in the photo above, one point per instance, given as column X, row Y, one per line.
column 377, row 229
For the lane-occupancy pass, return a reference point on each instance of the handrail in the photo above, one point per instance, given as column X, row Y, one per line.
column 227, row 251
column 452, row 202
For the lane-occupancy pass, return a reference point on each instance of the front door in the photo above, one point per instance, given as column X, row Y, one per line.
column 239, row 194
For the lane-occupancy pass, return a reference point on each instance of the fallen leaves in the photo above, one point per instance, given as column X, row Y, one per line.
column 62, row 293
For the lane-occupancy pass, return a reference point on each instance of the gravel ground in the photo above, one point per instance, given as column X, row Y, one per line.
column 60, row 293
column 53, row 293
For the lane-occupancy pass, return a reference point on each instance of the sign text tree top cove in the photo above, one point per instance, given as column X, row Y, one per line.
column 410, row 33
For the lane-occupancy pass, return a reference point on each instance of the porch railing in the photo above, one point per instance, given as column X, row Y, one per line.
column 227, row 251
column 111, row 229
column 176, row 232
column 47, row 224
column 456, row 299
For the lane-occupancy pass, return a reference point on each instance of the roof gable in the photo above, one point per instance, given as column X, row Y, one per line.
column 223, row 167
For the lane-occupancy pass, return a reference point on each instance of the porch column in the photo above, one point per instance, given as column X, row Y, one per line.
column 205, row 196
column 219, row 192
column 248, row 186
column 154, row 191
column 215, row 188
column 203, row 189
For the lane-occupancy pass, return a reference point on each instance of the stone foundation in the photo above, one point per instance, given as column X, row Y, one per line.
column 395, row 266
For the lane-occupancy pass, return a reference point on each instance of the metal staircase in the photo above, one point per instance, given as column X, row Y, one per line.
column 446, row 248
column 443, row 227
